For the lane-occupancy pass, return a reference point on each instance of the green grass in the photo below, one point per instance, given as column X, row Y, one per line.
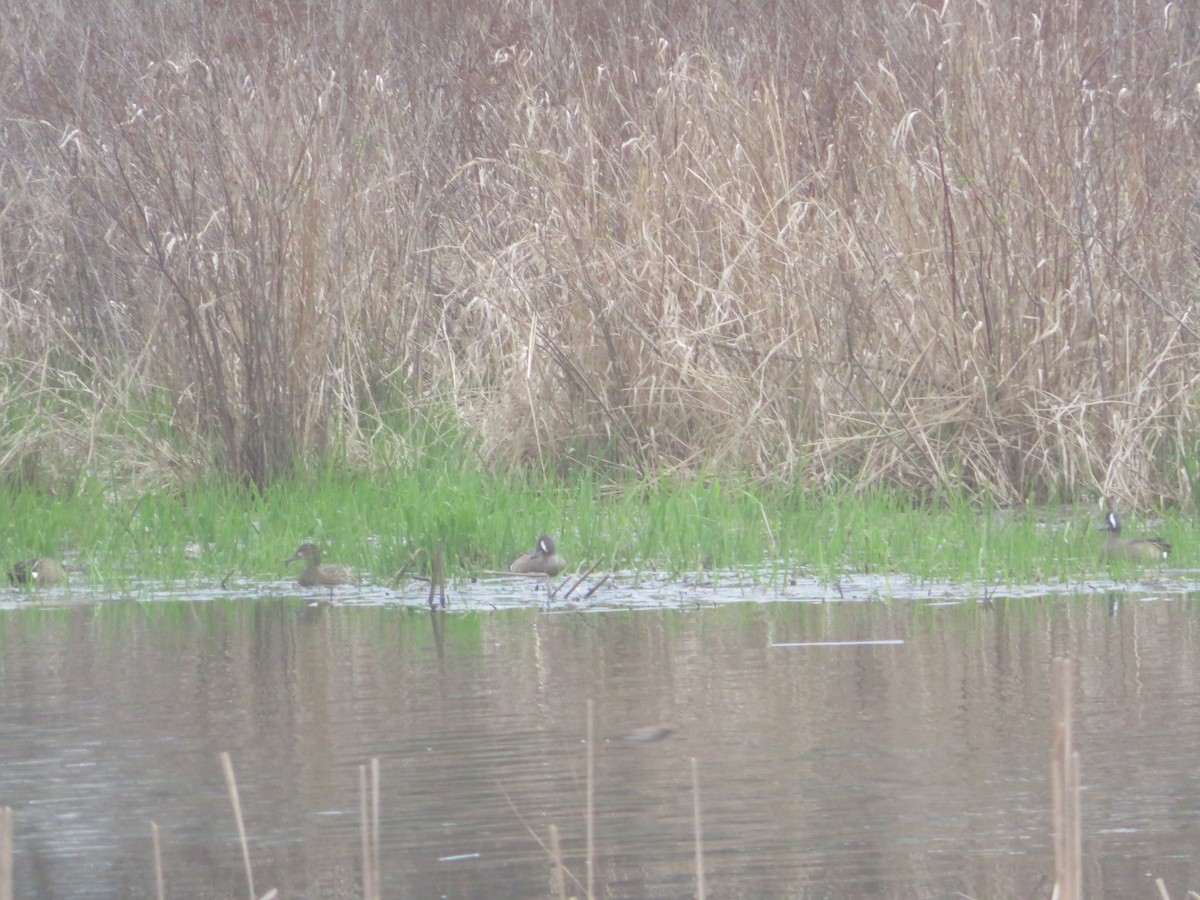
column 378, row 521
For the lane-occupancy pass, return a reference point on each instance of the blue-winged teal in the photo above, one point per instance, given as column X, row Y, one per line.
column 317, row 575
column 1117, row 547
column 541, row 560
column 41, row 571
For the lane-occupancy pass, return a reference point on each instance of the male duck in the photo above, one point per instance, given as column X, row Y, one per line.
column 1117, row 547
column 41, row 571
column 541, row 560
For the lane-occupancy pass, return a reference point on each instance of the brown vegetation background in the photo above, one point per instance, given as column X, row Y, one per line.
column 857, row 243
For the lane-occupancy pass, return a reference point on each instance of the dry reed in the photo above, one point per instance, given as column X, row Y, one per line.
column 236, row 800
column 368, row 791
column 1165, row 894
column 1068, row 851
column 590, row 805
column 437, row 576
column 947, row 248
column 553, row 850
column 701, row 887
column 560, row 869
column 6, row 853
column 160, row 886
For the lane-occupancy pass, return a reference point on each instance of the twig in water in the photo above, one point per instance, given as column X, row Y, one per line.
column 554, row 851
column 231, row 781
column 159, row 887
column 595, row 587
column 578, row 581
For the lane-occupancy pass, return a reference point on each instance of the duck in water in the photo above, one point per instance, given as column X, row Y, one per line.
column 317, row 575
column 41, row 571
column 1117, row 547
column 541, row 560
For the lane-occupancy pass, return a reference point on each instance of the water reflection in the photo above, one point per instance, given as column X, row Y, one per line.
column 916, row 765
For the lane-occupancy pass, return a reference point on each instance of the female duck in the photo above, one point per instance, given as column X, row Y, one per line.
column 317, row 575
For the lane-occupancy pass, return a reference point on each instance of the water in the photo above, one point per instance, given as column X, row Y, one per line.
column 917, row 766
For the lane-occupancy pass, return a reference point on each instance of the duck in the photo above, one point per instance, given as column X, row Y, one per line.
column 41, row 571
column 317, row 575
column 1117, row 547
column 541, row 560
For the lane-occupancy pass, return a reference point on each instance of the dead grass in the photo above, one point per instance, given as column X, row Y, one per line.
column 844, row 244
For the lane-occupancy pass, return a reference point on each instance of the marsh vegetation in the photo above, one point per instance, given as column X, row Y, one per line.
column 384, row 523
column 831, row 245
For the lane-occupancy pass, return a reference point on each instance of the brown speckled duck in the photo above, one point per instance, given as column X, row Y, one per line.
column 541, row 560
column 317, row 575
column 1144, row 548
column 41, row 571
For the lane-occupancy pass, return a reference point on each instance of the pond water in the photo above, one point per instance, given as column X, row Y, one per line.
column 892, row 741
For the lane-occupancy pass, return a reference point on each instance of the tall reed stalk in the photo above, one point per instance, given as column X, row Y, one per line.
column 6, row 853
column 697, row 822
column 590, row 806
column 368, row 789
column 160, row 887
column 1068, row 851
column 236, row 801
